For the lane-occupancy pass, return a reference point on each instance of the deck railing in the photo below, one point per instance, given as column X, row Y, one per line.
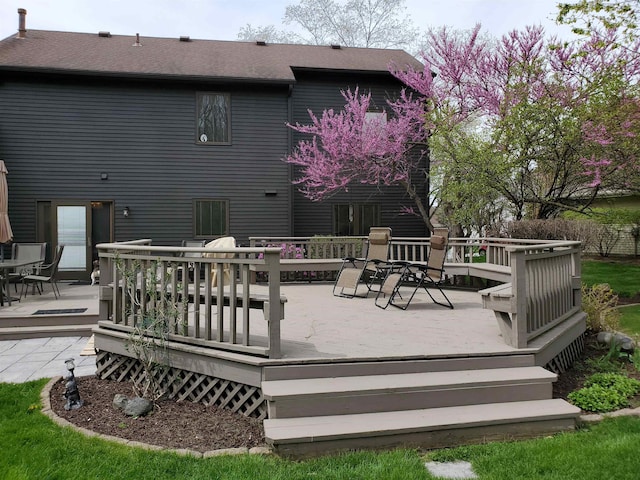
column 545, row 282
column 413, row 249
column 139, row 279
column 545, row 275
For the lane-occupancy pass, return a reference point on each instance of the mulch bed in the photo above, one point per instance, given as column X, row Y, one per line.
column 171, row 424
column 203, row 428
column 574, row 378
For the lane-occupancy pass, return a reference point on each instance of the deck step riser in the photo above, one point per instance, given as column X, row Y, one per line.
column 428, row 439
column 426, row 428
column 341, row 403
column 330, row 370
column 18, row 333
column 50, row 320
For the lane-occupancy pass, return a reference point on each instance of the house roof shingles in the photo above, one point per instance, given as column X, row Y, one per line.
column 91, row 54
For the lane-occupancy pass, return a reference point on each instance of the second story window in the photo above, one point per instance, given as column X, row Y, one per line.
column 214, row 118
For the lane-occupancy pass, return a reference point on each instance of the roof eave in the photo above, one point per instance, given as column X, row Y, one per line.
column 145, row 76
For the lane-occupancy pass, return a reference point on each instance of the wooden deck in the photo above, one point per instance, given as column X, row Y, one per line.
column 352, row 375
column 333, row 373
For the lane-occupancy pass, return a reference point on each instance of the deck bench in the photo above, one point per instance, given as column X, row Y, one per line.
column 498, row 298
column 301, row 265
column 258, row 301
column 489, row 271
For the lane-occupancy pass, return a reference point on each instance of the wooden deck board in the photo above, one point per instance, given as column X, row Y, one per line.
column 308, row 429
column 398, row 382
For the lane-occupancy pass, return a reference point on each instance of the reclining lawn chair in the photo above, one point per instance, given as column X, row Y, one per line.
column 357, row 270
column 417, row 275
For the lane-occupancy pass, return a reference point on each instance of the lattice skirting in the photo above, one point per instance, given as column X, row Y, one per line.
column 184, row 385
column 564, row 360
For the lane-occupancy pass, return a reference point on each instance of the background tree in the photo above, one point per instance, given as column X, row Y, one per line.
column 269, row 34
column 352, row 23
column 587, row 16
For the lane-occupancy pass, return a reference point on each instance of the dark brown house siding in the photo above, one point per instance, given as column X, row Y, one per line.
column 58, row 135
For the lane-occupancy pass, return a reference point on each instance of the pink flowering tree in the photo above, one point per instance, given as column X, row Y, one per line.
column 524, row 121
column 349, row 146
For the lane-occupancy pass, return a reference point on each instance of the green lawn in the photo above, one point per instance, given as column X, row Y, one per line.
column 623, row 278
column 630, row 319
column 33, row 447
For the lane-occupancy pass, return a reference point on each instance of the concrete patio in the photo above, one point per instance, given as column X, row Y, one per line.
column 29, row 352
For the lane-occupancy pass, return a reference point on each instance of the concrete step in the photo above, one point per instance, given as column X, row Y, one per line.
column 384, row 393
column 19, row 333
column 351, row 369
column 49, row 320
column 425, row 428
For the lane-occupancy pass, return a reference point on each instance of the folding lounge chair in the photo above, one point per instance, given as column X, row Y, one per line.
column 357, row 270
column 417, row 275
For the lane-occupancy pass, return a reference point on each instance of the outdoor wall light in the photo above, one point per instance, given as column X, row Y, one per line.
column 104, row 176
column 71, row 392
column 125, row 212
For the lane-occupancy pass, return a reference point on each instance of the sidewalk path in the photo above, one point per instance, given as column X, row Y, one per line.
column 34, row 358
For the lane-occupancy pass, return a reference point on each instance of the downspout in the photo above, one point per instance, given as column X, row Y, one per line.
column 290, row 149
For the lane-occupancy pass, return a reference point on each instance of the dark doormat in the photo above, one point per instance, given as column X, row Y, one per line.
column 60, row 311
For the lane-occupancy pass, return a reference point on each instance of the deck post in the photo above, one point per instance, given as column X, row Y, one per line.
column 106, row 291
column 519, row 335
column 577, row 277
column 273, row 310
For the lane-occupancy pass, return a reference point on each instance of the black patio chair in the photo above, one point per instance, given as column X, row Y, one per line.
column 47, row 274
column 27, row 251
column 191, row 265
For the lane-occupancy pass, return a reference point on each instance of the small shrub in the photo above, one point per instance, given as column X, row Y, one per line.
column 608, row 363
column 615, row 381
column 599, row 303
column 605, row 392
column 550, row 229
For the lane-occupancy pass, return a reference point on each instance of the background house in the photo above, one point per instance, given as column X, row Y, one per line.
column 121, row 137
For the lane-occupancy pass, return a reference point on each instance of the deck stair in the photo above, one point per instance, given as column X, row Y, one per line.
column 429, row 404
column 36, row 326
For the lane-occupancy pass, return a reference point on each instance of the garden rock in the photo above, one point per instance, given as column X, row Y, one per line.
column 120, row 401
column 137, row 407
column 625, row 343
column 133, row 407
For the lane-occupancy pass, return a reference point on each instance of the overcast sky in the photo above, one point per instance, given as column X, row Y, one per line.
column 222, row 19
